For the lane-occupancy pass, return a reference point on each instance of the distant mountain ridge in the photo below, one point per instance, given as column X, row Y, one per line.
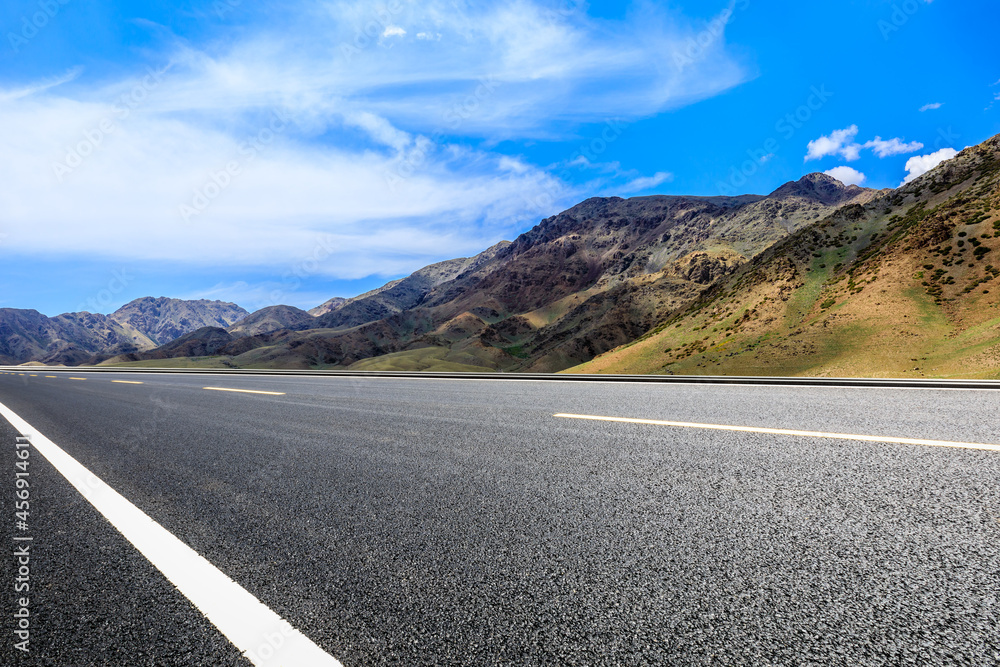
column 271, row 318
column 163, row 319
column 579, row 283
column 71, row 338
column 661, row 284
column 75, row 338
column 903, row 286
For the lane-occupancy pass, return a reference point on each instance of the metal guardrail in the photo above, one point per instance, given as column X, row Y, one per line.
column 888, row 383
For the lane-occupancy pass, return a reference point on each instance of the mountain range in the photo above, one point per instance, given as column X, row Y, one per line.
column 76, row 338
column 816, row 278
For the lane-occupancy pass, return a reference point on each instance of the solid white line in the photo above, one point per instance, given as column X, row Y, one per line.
column 781, row 431
column 260, row 634
column 246, row 391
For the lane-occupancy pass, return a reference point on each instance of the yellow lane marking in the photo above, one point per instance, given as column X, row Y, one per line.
column 246, row 391
column 126, row 382
column 51, row 376
column 34, row 375
column 78, row 378
column 781, row 431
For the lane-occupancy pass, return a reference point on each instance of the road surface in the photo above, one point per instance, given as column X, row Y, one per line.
column 461, row 522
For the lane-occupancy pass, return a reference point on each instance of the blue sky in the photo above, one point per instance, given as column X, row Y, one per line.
column 287, row 152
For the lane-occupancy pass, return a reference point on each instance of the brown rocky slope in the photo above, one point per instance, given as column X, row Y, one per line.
column 578, row 284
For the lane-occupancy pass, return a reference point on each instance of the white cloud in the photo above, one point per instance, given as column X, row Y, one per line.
column 929, row 107
column 357, row 172
column 645, row 182
column 429, row 36
column 847, row 175
column 921, row 164
column 840, row 142
column 890, row 147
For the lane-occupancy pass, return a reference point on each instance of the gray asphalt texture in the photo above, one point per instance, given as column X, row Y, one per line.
column 427, row 522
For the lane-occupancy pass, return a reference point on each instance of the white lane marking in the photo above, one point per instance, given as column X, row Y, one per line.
column 246, row 391
column 781, row 431
column 261, row 635
column 126, row 382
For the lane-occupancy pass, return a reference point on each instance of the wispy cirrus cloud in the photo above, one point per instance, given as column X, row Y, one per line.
column 887, row 148
column 361, row 94
column 643, row 183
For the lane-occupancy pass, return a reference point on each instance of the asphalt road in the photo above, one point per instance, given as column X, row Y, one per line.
column 457, row 522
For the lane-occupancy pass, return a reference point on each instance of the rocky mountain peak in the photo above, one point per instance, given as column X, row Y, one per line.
column 163, row 319
column 820, row 188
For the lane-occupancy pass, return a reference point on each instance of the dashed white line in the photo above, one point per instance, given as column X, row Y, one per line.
column 266, row 639
column 246, row 391
column 781, row 431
